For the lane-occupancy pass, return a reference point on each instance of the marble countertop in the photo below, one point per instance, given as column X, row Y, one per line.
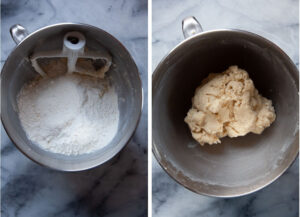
column 279, row 22
column 118, row 188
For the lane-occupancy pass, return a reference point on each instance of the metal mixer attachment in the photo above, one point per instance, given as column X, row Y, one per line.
column 74, row 57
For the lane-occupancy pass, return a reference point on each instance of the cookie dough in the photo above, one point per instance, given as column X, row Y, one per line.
column 228, row 104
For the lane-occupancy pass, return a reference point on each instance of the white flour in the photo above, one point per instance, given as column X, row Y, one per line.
column 69, row 114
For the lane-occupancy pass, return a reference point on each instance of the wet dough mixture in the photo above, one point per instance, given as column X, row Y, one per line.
column 228, row 104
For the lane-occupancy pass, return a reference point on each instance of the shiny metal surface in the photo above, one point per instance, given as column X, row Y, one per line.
column 237, row 166
column 123, row 74
column 190, row 27
column 18, row 33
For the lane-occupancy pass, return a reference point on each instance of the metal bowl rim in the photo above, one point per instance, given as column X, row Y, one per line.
column 130, row 135
column 155, row 77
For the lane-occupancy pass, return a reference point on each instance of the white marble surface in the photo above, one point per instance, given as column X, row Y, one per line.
column 275, row 20
column 119, row 188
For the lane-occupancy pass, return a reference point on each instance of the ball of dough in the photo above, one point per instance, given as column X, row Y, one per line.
column 228, row 104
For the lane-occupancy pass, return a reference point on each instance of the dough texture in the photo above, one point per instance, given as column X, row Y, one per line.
column 228, row 104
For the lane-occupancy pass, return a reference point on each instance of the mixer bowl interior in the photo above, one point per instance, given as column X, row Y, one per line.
column 123, row 75
column 240, row 165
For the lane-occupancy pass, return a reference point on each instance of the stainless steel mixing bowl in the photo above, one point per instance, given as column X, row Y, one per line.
column 240, row 165
column 18, row 70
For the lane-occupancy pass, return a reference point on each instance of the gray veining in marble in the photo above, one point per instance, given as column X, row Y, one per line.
column 279, row 22
column 118, row 188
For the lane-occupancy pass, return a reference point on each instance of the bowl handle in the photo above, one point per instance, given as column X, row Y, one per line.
column 190, row 27
column 18, row 33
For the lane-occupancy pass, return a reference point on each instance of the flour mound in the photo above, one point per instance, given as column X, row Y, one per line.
column 69, row 114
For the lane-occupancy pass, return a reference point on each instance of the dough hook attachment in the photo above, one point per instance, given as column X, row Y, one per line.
column 79, row 59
